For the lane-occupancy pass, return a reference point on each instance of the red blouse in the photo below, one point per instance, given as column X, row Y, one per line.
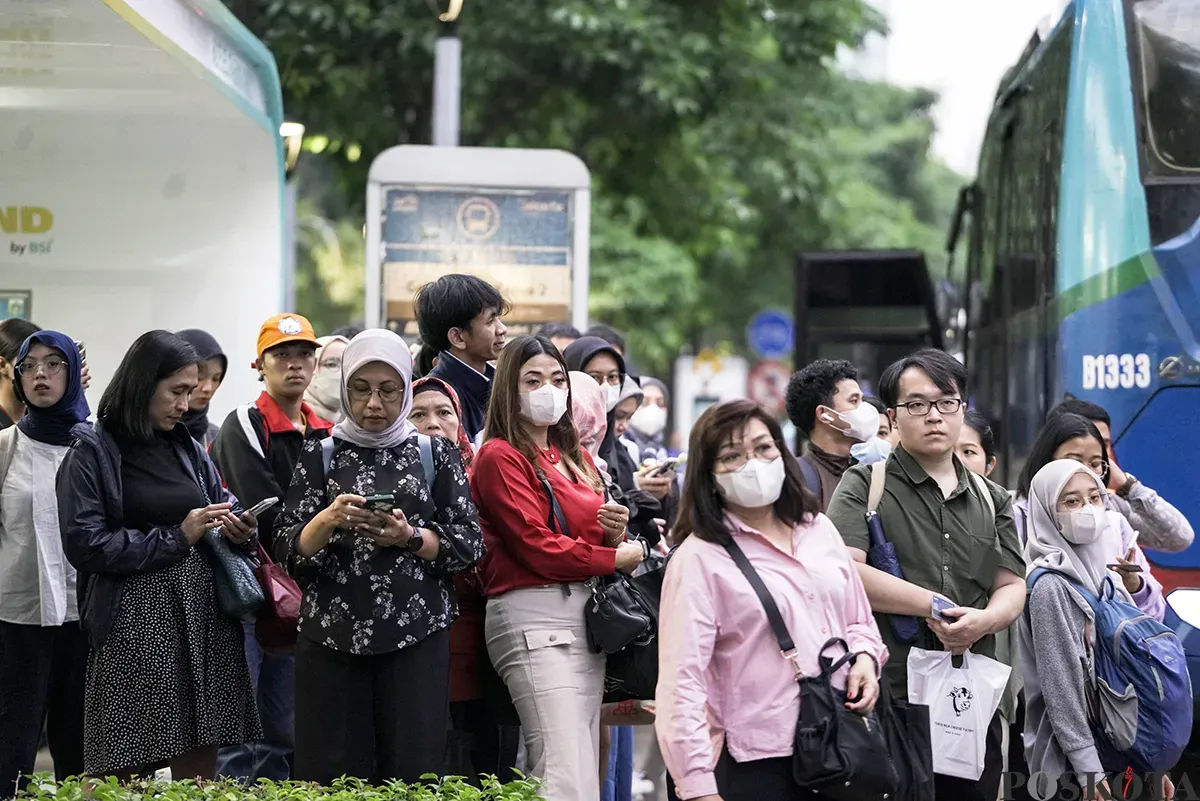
column 514, row 512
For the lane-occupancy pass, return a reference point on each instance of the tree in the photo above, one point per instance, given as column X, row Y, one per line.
column 720, row 137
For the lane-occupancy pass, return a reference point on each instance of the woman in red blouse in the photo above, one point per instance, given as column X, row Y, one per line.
column 534, row 573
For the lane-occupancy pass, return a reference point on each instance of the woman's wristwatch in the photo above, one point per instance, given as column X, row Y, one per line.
column 415, row 541
column 1124, row 490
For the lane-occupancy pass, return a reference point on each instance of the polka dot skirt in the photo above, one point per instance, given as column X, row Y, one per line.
column 172, row 676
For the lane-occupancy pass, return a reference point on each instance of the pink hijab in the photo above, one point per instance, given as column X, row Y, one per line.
column 590, row 414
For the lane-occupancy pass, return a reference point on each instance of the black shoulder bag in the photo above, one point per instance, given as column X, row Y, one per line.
column 619, row 615
column 838, row 753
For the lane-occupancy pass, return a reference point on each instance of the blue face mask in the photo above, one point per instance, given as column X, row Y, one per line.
column 872, row 451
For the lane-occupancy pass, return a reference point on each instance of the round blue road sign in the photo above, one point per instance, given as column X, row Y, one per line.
column 771, row 334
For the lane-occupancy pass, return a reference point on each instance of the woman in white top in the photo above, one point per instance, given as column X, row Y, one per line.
column 43, row 655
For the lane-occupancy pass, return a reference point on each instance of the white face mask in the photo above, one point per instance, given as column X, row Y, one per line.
column 1084, row 526
column 545, row 406
column 754, row 485
column 863, row 421
column 649, row 421
column 612, row 396
column 872, row 451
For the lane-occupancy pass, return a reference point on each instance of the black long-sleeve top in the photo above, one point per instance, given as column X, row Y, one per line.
column 361, row 598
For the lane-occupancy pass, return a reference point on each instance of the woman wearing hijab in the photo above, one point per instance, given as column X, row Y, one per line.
column 373, row 654
column 43, row 653
column 648, row 425
column 1070, row 532
column 324, row 394
column 606, row 366
column 212, row 368
column 590, row 415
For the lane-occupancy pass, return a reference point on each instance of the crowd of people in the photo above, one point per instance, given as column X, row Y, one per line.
column 446, row 512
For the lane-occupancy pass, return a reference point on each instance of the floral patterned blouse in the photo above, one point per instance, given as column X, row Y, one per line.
column 362, row 598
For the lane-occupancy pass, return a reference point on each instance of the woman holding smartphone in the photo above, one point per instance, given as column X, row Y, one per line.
column 375, row 542
column 167, row 680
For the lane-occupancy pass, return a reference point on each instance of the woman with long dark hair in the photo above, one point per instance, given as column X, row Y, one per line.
column 720, row 668
column 43, row 654
column 535, row 570
column 167, row 680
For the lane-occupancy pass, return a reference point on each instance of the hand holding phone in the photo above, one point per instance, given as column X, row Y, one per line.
column 940, row 605
column 262, row 506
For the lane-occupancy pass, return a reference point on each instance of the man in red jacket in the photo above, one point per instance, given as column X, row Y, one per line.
column 256, row 452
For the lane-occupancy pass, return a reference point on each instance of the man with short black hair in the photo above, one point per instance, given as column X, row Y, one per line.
column 1159, row 524
column 560, row 334
column 824, row 401
column 949, row 541
column 609, row 334
column 256, row 453
column 459, row 320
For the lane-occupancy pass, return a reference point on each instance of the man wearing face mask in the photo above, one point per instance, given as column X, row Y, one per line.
column 825, row 403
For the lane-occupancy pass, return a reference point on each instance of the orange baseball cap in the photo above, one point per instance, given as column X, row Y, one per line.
column 283, row 328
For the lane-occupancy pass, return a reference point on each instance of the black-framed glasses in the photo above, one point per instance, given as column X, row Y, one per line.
column 920, row 408
column 52, row 366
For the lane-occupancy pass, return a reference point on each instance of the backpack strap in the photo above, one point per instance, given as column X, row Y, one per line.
column 425, row 445
column 327, row 446
column 243, row 416
column 812, row 478
column 981, row 485
column 878, row 479
column 8, row 447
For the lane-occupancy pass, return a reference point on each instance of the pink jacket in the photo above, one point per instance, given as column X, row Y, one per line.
column 722, row 680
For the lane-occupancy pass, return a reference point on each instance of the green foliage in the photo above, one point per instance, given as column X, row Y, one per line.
column 43, row 788
column 721, row 139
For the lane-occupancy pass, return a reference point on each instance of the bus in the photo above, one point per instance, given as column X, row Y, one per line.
column 1082, row 241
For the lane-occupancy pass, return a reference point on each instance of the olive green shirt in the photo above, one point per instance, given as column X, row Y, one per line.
column 950, row 545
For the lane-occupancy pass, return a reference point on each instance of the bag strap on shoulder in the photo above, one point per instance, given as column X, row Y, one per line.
column 774, row 617
column 981, row 485
column 812, row 479
column 878, row 480
column 558, row 521
column 327, row 446
column 8, row 447
column 425, row 446
column 243, row 416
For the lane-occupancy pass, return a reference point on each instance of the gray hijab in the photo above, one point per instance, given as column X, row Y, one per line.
column 376, row 345
column 1045, row 545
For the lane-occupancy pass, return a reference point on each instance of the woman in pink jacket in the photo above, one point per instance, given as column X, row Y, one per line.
column 727, row 700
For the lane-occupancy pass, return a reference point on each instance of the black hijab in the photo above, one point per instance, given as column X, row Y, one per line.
column 206, row 348
column 53, row 424
column 620, row 463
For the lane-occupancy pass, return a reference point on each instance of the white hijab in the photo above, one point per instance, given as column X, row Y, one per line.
column 1045, row 545
column 324, row 393
column 387, row 347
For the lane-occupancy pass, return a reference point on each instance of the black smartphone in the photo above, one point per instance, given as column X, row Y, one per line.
column 666, row 468
column 380, row 503
column 1126, row 568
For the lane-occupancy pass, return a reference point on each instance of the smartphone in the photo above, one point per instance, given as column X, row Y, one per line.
column 940, row 605
column 665, row 468
column 1126, row 568
column 262, row 506
column 381, row 503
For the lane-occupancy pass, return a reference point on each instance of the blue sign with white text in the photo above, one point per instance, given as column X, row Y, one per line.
column 771, row 334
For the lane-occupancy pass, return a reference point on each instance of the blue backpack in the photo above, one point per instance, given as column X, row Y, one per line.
column 1140, row 699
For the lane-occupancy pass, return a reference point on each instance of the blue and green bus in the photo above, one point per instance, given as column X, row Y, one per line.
column 1082, row 234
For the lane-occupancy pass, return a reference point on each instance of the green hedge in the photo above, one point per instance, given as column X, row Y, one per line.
column 45, row 788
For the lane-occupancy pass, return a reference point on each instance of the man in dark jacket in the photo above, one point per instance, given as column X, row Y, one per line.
column 459, row 319
column 256, row 452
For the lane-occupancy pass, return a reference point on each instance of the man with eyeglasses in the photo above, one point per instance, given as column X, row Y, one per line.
column 256, row 453
column 1159, row 524
column 949, row 543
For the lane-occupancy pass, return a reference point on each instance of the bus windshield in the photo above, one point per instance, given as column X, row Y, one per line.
column 1168, row 33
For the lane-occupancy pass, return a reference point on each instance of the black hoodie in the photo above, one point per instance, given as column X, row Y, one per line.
column 620, row 464
column 207, row 348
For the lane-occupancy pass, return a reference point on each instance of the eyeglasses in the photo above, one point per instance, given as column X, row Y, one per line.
column 388, row 393
column 52, row 366
column 736, row 460
column 920, row 408
column 1073, row 503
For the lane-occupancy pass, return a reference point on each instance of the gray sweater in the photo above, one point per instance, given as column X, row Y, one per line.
column 1055, row 665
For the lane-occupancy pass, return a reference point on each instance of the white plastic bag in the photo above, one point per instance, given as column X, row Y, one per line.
column 961, row 704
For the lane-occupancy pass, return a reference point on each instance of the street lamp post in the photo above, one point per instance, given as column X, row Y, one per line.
column 447, row 78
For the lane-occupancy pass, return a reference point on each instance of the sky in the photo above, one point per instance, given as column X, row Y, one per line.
column 961, row 49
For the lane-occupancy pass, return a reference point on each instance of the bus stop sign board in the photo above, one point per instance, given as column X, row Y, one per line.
column 518, row 219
